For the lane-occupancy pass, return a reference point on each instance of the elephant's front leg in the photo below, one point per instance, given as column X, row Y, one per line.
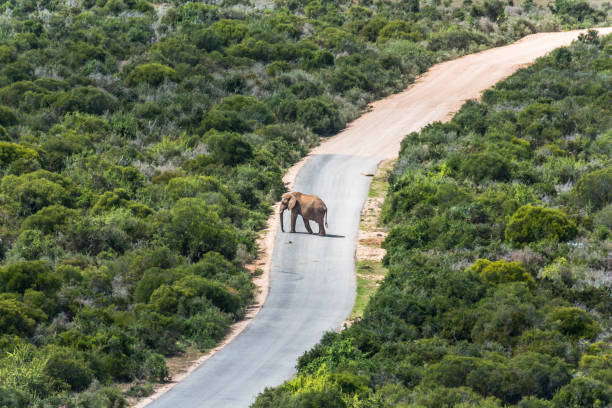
column 294, row 215
column 307, row 224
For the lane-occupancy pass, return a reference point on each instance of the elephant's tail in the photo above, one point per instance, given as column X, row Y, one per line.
column 326, row 226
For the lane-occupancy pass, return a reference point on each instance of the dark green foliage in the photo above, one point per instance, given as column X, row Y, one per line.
column 17, row 318
column 66, row 369
column 85, row 99
column 49, row 219
column 575, row 322
column 194, row 228
column 229, row 148
column 8, row 117
column 18, row 277
column 531, row 224
column 485, row 166
column 11, row 152
column 594, row 189
column 320, row 115
column 583, row 392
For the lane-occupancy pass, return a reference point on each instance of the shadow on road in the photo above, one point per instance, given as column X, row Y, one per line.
column 306, row 233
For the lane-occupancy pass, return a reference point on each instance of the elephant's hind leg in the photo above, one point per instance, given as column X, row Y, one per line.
column 307, row 225
column 321, row 229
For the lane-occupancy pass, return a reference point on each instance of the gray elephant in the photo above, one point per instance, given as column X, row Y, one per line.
column 310, row 207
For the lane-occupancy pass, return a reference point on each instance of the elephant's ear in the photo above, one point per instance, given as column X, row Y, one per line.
column 292, row 202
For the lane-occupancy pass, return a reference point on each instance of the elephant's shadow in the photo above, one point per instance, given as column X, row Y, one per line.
column 325, row 236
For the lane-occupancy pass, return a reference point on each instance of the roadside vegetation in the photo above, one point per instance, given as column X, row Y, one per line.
column 498, row 291
column 142, row 145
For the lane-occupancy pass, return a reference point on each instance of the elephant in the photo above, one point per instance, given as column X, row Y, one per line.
column 310, row 207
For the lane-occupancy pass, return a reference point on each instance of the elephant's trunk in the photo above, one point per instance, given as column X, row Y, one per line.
column 280, row 214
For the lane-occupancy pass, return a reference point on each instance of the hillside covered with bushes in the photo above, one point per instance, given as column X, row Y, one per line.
column 499, row 291
column 143, row 143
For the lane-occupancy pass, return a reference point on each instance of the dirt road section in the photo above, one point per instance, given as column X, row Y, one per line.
column 438, row 94
column 312, row 283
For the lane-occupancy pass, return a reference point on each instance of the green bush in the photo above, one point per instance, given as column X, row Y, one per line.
column 9, row 152
column 17, row 318
column 230, row 31
column 19, row 276
column 33, row 244
column 156, row 368
column 34, row 191
column 575, row 322
column 87, row 99
column 206, row 39
column 531, row 224
column 229, row 148
column 320, row 115
column 194, row 228
column 485, row 166
column 8, row 117
column 69, row 370
column 153, row 74
column 49, row 219
column 500, row 272
column 594, row 189
column 583, row 392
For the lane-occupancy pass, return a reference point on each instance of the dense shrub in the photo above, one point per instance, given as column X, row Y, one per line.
column 194, row 228
column 17, row 318
column 8, row 117
column 68, row 370
column 594, row 189
column 485, row 166
column 320, row 115
column 153, row 74
column 575, row 322
column 531, row 223
column 49, row 219
column 500, row 272
column 583, row 392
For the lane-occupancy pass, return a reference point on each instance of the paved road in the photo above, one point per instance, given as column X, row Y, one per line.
column 312, row 286
column 312, row 290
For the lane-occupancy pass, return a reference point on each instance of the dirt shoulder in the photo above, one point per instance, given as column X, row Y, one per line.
column 369, row 271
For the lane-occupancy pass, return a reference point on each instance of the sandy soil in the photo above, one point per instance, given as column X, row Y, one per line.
column 378, row 133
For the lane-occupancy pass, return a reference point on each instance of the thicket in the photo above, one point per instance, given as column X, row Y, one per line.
column 142, row 145
column 499, row 291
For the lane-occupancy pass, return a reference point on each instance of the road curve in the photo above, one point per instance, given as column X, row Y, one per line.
column 312, row 286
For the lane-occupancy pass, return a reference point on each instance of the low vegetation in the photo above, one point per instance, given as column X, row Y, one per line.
column 498, row 292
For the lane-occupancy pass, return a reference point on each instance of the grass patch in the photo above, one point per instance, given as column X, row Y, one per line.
column 369, row 274
column 380, row 182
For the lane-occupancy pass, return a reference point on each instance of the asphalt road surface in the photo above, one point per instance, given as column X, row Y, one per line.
column 312, row 291
column 312, row 287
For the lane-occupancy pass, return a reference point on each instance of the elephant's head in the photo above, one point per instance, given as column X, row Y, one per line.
column 289, row 200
